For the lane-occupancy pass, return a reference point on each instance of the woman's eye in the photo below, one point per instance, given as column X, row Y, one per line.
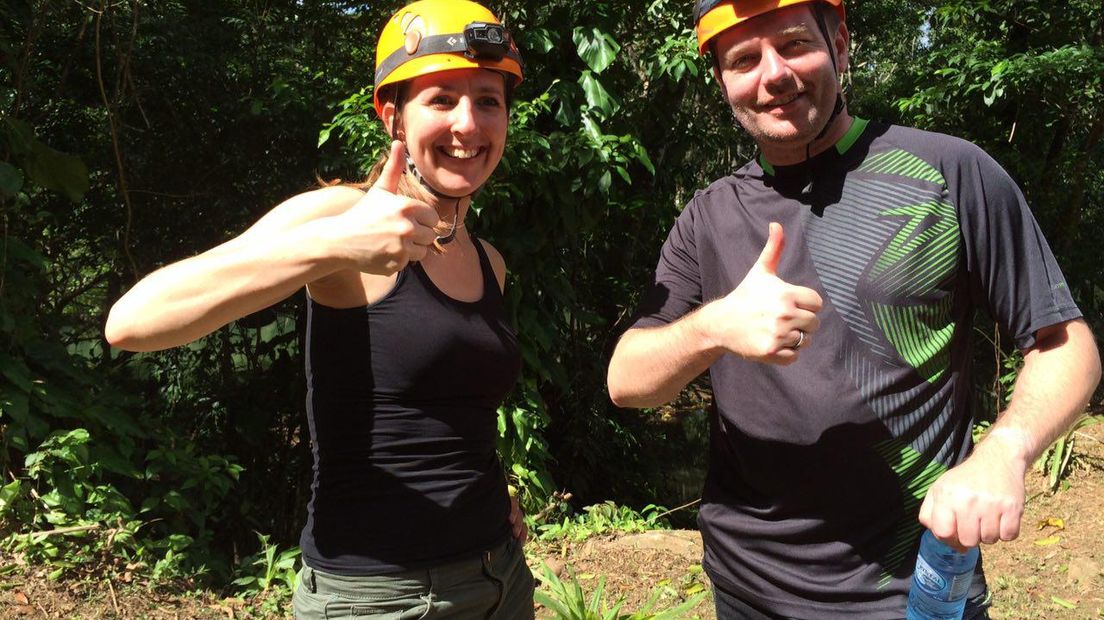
column 492, row 102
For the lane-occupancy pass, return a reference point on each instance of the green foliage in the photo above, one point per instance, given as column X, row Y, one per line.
column 1056, row 461
column 1025, row 80
column 523, row 448
column 601, row 519
column 363, row 135
column 1011, row 365
column 568, row 601
column 979, row 430
column 116, row 460
column 76, row 454
column 34, row 162
column 267, row 569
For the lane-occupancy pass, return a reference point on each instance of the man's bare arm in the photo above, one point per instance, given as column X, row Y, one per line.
column 982, row 499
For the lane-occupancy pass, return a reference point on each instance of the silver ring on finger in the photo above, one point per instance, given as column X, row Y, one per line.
column 800, row 340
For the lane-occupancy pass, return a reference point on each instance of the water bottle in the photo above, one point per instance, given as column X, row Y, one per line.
column 941, row 581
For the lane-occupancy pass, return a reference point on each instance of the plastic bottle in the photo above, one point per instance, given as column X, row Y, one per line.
column 941, row 581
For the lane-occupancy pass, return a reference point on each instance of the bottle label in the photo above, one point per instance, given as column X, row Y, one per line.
column 936, row 584
column 928, row 578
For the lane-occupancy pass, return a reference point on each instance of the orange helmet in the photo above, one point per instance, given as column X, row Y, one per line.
column 429, row 36
column 711, row 17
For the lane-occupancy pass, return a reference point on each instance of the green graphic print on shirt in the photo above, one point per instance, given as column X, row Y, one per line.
column 892, row 282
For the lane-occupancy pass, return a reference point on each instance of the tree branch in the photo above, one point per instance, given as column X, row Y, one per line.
column 115, row 145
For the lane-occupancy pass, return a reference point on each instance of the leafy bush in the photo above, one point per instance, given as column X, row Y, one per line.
column 75, row 448
column 268, row 570
column 1057, row 459
column 603, row 518
column 568, row 601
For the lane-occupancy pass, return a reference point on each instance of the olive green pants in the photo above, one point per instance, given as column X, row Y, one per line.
column 497, row 585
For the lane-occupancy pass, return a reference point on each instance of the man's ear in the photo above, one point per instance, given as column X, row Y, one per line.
column 843, row 47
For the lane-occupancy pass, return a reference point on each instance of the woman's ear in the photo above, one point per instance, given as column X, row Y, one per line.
column 387, row 115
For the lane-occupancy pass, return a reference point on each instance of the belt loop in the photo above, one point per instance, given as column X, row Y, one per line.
column 313, row 584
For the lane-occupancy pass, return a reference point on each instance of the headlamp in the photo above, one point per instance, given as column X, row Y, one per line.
column 490, row 41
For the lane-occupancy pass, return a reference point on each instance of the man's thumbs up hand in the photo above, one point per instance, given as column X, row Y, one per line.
column 764, row 318
column 772, row 251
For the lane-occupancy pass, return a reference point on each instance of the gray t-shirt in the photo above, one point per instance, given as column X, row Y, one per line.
column 817, row 469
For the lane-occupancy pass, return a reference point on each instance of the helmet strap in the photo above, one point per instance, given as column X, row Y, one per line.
column 837, row 108
column 445, row 239
column 412, row 168
column 441, row 239
column 818, row 13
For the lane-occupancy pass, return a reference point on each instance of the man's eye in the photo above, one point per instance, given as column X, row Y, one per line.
column 743, row 63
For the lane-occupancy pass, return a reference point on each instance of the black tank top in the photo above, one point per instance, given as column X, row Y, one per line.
column 401, row 401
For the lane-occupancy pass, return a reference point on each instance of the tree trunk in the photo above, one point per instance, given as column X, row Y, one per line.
column 1070, row 217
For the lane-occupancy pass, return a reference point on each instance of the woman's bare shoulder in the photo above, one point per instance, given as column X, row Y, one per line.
column 498, row 264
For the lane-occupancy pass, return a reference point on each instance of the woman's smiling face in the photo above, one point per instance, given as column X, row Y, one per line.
column 454, row 126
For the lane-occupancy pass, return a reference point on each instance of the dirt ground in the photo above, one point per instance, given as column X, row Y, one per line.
column 1055, row 570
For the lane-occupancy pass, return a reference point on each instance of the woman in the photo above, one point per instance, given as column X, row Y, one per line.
column 408, row 352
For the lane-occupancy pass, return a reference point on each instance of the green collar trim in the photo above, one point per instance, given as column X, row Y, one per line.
column 767, row 167
column 858, row 126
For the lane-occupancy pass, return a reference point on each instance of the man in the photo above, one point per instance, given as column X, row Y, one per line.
column 829, row 288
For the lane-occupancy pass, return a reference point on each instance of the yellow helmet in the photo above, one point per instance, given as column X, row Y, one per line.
column 429, row 36
column 711, row 17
